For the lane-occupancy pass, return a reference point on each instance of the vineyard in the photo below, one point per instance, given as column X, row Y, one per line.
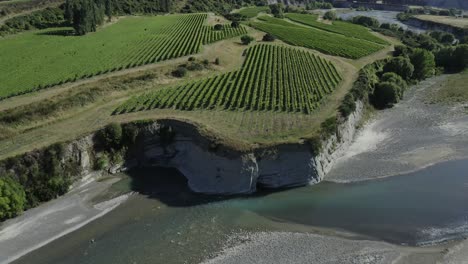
column 273, row 78
column 37, row 60
column 313, row 38
column 344, row 28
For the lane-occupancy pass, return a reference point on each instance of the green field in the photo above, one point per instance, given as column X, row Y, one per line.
column 313, row 38
column 251, row 12
column 40, row 59
column 344, row 28
column 273, row 78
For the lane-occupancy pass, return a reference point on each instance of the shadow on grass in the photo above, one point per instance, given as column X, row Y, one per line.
column 170, row 187
column 58, row 32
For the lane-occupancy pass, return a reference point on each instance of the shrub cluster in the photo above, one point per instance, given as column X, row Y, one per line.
column 42, row 175
column 49, row 17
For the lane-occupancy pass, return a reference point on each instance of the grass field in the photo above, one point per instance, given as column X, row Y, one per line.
column 453, row 91
column 344, row 28
column 37, row 60
column 313, row 38
column 273, row 78
column 448, row 20
column 251, row 12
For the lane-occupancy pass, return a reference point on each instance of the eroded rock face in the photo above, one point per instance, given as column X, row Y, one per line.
column 218, row 170
column 80, row 151
column 206, row 171
column 214, row 169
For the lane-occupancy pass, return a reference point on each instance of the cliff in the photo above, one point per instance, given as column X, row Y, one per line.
column 434, row 26
column 210, row 167
column 215, row 169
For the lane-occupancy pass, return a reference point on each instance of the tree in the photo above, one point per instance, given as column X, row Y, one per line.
column 366, row 21
column 85, row 15
column 108, row 9
column 268, row 37
column 464, row 40
column 246, row 39
column 386, row 94
column 452, row 59
column 235, row 24
column 443, row 37
column 424, row 64
column 277, row 10
column 460, row 57
column 396, row 79
column 12, row 198
column 218, row 27
column 427, row 42
column 401, row 66
column 330, row 15
column 402, row 50
column 111, row 136
column 444, row 58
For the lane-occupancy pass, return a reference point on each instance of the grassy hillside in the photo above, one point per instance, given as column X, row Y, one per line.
column 273, row 78
column 37, row 60
column 251, row 12
column 313, row 38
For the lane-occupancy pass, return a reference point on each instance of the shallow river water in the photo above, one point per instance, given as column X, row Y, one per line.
column 165, row 225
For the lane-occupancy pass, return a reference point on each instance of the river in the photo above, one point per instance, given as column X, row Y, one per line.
column 382, row 16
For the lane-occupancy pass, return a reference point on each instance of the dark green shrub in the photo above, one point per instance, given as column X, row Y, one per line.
column 329, row 127
column 101, row 162
column 424, row 64
column 330, row 15
column 396, row 79
column 386, row 94
column 12, row 198
column 111, row 136
column 401, row 66
column 179, row 72
column 195, row 67
column 268, row 37
column 348, row 105
column 246, row 39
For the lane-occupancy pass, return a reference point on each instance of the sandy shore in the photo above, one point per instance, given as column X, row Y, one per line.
column 408, row 137
column 47, row 222
column 286, row 247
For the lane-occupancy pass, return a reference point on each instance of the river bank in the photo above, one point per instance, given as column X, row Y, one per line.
column 413, row 135
column 41, row 225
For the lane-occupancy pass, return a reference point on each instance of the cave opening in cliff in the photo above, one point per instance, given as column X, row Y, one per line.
column 168, row 185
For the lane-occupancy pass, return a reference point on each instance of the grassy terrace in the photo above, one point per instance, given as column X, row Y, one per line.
column 37, row 60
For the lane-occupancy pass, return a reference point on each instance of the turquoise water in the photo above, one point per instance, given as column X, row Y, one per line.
column 169, row 224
